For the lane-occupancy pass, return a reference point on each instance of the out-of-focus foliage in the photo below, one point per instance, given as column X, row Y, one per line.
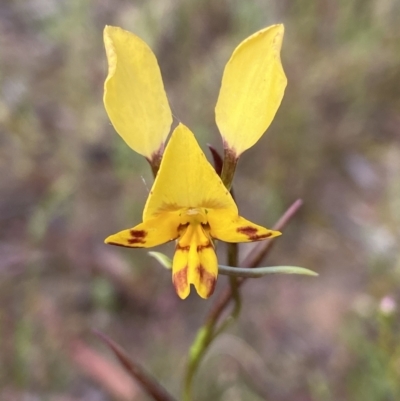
column 68, row 180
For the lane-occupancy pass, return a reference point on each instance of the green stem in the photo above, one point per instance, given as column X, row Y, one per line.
column 197, row 350
column 233, row 281
column 208, row 332
column 235, row 294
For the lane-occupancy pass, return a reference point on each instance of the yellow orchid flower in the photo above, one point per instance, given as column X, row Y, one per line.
column 189, row 203
column 134, row 95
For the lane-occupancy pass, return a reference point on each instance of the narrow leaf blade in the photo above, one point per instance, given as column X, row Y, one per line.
column 164, row 260
column 262, row 271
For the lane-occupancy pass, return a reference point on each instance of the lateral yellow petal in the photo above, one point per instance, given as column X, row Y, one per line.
column 153, row 232
column 252, row 89
column 186, row 179
column 233, row 228
column 134, row 94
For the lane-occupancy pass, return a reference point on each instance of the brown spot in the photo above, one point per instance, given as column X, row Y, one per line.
column 117, row 244
column 262, row 236
column 206, row 226
column 137, row 237
column 138, row 233
column 179, row 279
column 207, row 279
column 182, row 248
column 182, row 228
column 201, row 247
column 251, row 233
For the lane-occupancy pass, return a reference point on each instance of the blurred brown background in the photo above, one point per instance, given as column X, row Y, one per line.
column 68, row 181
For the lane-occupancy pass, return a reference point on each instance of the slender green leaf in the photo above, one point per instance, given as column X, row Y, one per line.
column 262, row 271
column 163, row 259
column 242, row 271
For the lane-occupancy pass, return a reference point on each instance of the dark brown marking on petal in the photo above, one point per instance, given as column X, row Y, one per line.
column 247, row 230
column 137, row 237
column 262, row 236
column 133, row 241
column 180, row 281
column 155, row 159
column 182, row 228
column 201, row 247
column 251, row 233
column 182, row 248
column 207, row 279
column 118, row 244
column 138, row 233
column 206, row 226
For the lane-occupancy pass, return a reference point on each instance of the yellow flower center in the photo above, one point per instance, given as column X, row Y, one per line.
column 194, row 229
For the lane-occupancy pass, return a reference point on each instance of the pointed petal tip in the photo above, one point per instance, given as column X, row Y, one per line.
column 257, row 233
column 113, row 240
column 110, row 29
column 109, row 240
column 181, row 129
column 279, row 27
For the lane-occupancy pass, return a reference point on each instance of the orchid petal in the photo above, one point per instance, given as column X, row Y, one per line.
column 233, row 228
column 252, row 88
column 134, row 94
column 153, row 232
column 186, row 179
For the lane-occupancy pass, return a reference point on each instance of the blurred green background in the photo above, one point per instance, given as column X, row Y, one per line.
column 68, row 181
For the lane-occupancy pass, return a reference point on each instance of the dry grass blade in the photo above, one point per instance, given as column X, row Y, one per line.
column 148, row 382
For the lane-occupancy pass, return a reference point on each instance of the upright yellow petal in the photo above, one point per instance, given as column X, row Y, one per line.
column 186, row 179
column 153, row 232
column 134, row 94
column 229, row 227
column 252, row 88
